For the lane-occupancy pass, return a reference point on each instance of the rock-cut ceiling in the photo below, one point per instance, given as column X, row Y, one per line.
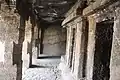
column 52, row 10
column 46, row 10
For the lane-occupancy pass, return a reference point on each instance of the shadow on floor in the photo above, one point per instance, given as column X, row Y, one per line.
column 49, row 57
column 36, row 66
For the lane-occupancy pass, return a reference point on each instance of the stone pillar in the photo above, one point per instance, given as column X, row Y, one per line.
column 77, row 50
column 41, row 40
column 115, row 54
column 67, row 45
column 81, row 48
column 20, row 44
column 91, row 47
column 69, row 34
column 37, row 42
column 71, row 47
column 31, row 44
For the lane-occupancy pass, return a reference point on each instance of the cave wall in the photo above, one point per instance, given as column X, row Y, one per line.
column 90, row 12
column 9, row 33
column 54, row 41
column 9, row 23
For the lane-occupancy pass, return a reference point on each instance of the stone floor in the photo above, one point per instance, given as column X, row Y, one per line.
column 46, row 68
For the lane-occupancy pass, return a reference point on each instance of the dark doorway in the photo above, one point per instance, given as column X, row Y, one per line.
column 72, row 48
column 104, row 35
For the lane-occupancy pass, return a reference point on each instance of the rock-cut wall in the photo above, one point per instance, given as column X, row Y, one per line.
column 9, row 23
column 54, row 40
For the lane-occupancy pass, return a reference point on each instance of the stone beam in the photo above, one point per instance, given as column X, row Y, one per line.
column 71, row 14
column 91, row 9
column 96, row 6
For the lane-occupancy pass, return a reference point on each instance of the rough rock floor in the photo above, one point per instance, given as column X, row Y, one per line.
column 44, row 69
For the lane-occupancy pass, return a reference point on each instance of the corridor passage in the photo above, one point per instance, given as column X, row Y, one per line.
column 59, row 39
column 46, row 68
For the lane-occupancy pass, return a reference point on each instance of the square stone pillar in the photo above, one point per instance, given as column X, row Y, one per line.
column 69, row 39
column 78, row 52
column 91, row 47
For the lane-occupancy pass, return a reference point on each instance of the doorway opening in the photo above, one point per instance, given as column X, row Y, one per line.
column 103, row 45
column 72, row 48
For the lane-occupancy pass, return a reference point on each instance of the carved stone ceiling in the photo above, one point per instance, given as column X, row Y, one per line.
column 53, row 10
